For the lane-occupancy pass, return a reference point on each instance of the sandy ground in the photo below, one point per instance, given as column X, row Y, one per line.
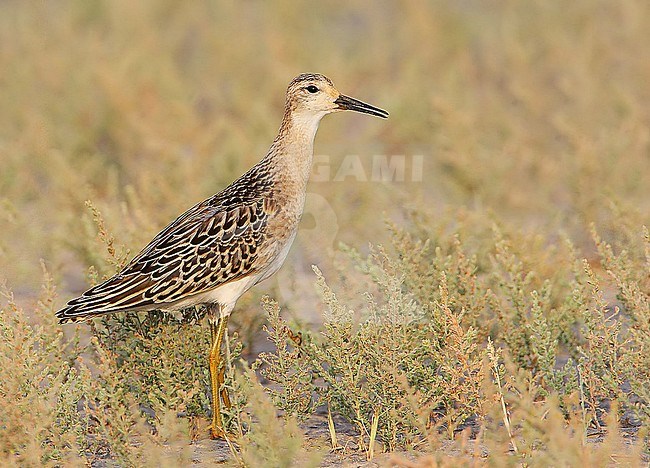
column 206, row 452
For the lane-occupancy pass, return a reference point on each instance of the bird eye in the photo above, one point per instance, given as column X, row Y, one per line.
column 312, row 89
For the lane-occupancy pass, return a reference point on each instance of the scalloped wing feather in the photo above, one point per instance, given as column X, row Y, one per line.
column 208, row 246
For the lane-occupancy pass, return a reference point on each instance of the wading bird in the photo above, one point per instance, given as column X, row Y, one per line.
column 218, row 249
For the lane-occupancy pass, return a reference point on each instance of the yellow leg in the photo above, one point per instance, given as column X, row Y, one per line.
column 224, row 391
column 218, row 327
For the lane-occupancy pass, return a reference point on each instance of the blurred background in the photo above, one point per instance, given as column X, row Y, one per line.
column 531, row 114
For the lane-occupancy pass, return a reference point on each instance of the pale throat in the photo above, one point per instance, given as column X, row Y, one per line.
column 298, row 142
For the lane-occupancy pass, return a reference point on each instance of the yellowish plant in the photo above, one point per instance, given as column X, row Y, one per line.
column 524, row 225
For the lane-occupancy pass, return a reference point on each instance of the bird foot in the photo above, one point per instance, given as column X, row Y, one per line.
column 217, row 433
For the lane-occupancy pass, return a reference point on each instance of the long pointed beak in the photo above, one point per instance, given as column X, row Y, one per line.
column 348, row 103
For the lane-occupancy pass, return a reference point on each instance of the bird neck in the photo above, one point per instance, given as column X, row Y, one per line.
column 293, row 148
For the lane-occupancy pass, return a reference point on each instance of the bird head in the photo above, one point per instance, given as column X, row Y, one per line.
column 312, row 95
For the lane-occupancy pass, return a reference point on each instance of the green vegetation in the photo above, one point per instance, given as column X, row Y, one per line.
column 497, row 312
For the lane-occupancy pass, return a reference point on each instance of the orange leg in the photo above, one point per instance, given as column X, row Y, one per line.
column 217, row 330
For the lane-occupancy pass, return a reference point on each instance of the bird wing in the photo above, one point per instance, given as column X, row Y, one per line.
column 209, row 245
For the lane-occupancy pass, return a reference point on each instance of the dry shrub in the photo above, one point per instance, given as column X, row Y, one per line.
column 533, row 124
column 413, row 364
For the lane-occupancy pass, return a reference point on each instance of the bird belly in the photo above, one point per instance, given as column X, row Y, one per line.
column 226, row 295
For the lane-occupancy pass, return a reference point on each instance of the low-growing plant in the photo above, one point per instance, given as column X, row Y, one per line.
column 37, row 425
column 262, row 438
column 522, row 227
column 413, row 365
column 383, row 371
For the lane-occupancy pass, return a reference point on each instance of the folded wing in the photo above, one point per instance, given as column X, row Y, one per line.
column 207, row 246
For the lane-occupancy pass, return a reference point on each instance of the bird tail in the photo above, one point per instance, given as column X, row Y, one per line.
column 75, row 313
column 113, row 295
